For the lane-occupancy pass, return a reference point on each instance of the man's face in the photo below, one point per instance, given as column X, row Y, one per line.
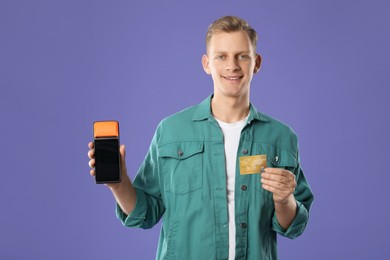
column 231, row 62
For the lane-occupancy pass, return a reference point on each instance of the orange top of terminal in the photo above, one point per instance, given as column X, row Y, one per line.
column 105, row 129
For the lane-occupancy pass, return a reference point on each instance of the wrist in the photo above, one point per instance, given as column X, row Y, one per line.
column 288, row 202
column 125, row 194
column 123, row 184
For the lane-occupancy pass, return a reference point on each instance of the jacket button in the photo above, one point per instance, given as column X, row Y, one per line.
column 243, row 225
column 180, row 153
column 244, row 187
column 245, row 151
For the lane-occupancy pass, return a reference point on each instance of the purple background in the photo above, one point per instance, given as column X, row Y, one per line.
column 64, row 64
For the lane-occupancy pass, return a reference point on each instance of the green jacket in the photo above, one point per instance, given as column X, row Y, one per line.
column 183, row 179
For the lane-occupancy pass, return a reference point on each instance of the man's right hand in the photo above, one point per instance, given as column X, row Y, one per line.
column 91, row 163
column 123, row 191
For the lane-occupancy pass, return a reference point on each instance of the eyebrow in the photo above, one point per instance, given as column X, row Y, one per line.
column 225, row 52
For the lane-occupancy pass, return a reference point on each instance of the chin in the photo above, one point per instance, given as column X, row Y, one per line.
column 233, row 92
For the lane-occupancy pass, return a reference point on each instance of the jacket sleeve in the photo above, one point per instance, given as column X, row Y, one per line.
column 149, row 206
column 304, row 198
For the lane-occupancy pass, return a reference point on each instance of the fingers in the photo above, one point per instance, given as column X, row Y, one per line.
column 279, row 185
column 277, row 189
column 279, row 175
column 91, row 163
column 91, row 155
column 280, row 182
column 91, row 152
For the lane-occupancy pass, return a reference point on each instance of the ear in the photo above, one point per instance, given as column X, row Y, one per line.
column 205, row 63
column 257, row 63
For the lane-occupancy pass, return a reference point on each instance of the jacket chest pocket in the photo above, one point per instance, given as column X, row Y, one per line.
column 282, row 159
column 181, row 165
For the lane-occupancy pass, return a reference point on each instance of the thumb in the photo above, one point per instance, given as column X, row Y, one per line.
column 122, row 150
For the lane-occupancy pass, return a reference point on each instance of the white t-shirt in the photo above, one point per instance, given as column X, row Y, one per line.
column 231, row 133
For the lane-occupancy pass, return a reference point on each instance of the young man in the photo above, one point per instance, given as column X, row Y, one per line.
column 191, row 174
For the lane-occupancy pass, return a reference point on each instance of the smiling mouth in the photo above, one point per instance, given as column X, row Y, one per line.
column 233, row 78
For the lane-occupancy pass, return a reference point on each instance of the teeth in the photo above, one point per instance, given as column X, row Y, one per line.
column 232, row 78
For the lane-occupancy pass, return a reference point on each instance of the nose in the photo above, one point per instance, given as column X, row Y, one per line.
column 232, row 65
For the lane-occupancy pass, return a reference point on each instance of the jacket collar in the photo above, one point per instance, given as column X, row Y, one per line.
column 203, row 112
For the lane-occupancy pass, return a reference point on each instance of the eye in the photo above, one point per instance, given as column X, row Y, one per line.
column 243, row 57
column 220, row 57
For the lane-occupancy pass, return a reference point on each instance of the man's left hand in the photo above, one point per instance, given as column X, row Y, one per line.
column 280, row 182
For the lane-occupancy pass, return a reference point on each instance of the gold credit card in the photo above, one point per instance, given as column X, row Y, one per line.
column 252, row 164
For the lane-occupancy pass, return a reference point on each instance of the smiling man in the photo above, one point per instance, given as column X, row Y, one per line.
column 191, row 175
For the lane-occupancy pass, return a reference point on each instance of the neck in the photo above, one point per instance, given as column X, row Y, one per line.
column 230, row 109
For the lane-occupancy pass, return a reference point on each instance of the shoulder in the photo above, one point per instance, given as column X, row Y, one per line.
column 275, row 132
column 279, row 126
column 182, row 117
column 176, row 125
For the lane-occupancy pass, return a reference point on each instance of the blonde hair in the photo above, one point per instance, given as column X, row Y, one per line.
column 231, row 24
